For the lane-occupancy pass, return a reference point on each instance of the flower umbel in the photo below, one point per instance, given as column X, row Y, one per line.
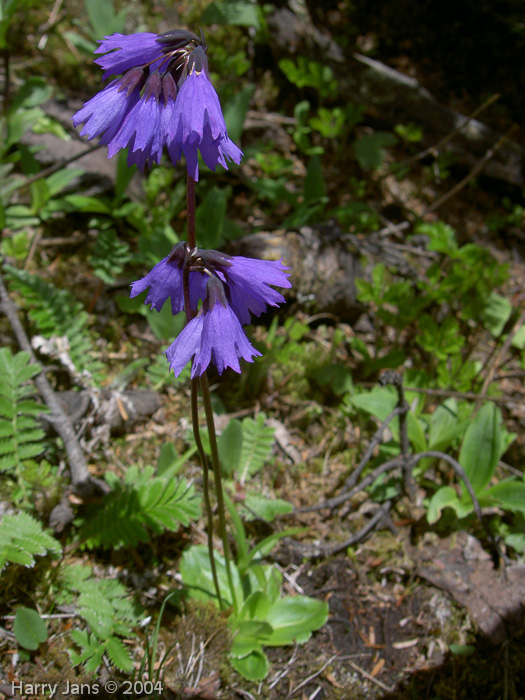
column 163, row 99
column 231, row 288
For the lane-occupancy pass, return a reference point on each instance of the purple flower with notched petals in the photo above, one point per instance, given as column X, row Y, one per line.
column 197, row 122
column 215, row 334
column 165, row 280
column 230, row 287
column 249, row 283
column 164, row 99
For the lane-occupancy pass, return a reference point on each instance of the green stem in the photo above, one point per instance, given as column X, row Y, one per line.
column 190, row 198
column 194, row 394
column 208, row 409
column 205, row 486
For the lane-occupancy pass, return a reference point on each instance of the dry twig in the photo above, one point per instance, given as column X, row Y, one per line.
column 81, row 480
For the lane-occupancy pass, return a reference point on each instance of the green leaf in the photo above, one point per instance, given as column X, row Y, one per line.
column 336, row 376
column 55, row 312
column 239, row 533
column 440, row 339
column 369, row 149
column 510, row 495
column 293, row 620
column 442, row 238
column 234, row 12
column 83, row 203
column 415, row 433
column 49, row 125
column 140, row 504
column 257, row 444
column 380, row 402
column 34, row 92
column 16, row 246
column 314, row 182
column 444, row 497
column 103, row 19
column 118, row 655
column 519, row 339
column 496, row 313
column 482, row 446
column 462, row 649
column 235, row 111
column 61, row 179
column 256, row 607
column 124, row 175
column 196, row 573
column 163, row 323
column 254, row 667
column 29, row 628
column 210, row 217
column 266, row 508
column 230, row 446
column 110, row 256
column 444, row 426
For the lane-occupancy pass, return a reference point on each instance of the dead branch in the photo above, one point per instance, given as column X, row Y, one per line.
column 81, row 480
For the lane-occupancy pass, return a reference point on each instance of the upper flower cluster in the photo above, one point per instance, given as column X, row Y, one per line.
column 231, row 289
column 163, row 99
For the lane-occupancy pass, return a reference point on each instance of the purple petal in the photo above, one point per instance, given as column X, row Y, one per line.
column 214, row 335
column 104, row 113
column 197, row 123
column 142, row 122
column 249, row 281
column 225, row 339
column 197, row 106
column 164, row 281
column 127, row 51
column 186, row 345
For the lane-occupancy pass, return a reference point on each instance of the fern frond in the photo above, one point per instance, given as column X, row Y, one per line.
column 118, row 654
column 140, row 504
column 257, row 444
column 110, row 256
column 21, row 538
column 264, row 507
column 55, row 312
column 20, row 434
column 91, row 651
column 106, row 607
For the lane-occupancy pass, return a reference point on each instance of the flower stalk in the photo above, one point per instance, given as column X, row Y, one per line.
column 161, row 101
column 191, row 206
column 205, row 390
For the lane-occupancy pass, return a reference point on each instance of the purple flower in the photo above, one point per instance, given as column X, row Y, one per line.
column 231, row 289
column 163, row 99
column 215, row 334
column 165, row 280
column 197, row 122
column 249, row 283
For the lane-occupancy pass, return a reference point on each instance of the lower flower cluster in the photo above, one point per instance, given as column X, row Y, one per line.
column 229, row 289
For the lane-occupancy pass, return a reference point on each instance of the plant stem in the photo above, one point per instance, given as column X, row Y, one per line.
column 218, row 483
column 190, row 199
column 205, row 486
column 194, row 392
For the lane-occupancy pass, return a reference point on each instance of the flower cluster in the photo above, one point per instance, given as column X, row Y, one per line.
column 164, row 99
column 231, row 289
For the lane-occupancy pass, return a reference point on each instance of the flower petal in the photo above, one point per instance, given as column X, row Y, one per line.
column 249, row 280
column 214, row 335
column 127, row 51
column 185, row 345
column 164, row 281
column 197, row 124
column 103, row 114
